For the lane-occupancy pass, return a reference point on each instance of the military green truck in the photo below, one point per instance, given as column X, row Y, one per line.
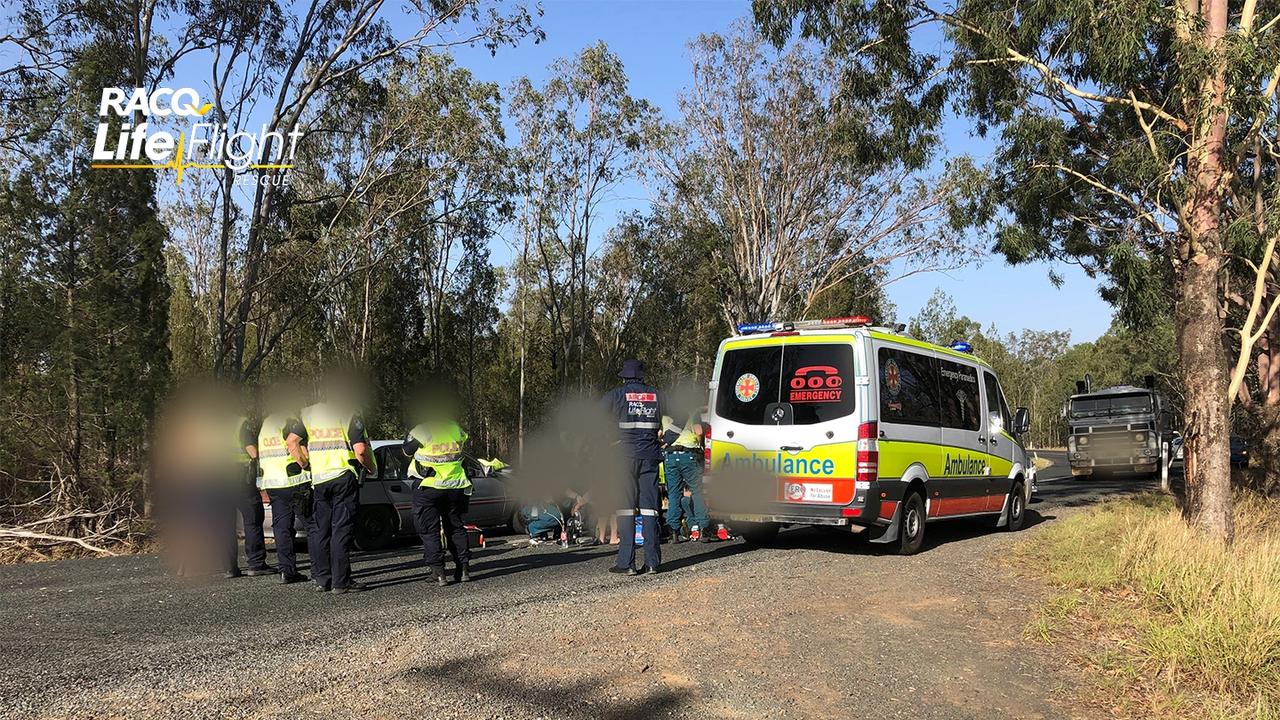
column 1121, row 429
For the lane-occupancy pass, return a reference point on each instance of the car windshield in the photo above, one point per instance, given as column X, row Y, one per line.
column 1110, row 405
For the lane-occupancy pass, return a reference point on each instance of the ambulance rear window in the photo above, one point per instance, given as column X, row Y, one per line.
column 803, row 384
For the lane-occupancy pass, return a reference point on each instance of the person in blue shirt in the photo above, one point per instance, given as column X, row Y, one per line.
column 638, row 410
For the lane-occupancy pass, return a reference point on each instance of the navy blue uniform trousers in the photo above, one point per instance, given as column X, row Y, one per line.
column 285, row 514
column 640, row 492
column 247, row 502
column 433, row 507
column 333, row 529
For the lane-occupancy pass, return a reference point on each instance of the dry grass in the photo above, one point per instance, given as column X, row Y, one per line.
column 1176, row 625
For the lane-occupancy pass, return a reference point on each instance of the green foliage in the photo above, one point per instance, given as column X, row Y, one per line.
column 1038, row 368
column 84, row 286
column 880, row 69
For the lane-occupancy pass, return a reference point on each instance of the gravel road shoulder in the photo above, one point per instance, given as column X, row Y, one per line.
column 820, row 627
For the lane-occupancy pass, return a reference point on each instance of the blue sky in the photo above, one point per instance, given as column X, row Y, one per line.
column 650, row 39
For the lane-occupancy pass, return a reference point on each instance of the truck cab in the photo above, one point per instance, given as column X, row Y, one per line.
column 1118, row 429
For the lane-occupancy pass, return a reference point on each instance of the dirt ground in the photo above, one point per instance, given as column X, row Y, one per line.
column 820, row 626
column 798, row 631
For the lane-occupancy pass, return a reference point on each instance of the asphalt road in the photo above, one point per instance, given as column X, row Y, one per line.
column 119, row 637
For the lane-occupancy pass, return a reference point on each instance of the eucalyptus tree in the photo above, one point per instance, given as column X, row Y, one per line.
column 1134, row 138
column 791, row 171
column 581, row 134
column 83, row 283
column 286, row 65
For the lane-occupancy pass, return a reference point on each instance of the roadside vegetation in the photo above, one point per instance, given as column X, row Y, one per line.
column 1169, row 623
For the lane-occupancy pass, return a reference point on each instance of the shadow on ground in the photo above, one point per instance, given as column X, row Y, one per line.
column 937, row 534
column 586, row 698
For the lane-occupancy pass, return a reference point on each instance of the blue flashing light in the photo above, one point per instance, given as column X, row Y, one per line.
column 748, row 328
column 961, row 346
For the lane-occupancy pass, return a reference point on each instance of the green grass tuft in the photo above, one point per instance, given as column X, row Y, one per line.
column 1202, row 620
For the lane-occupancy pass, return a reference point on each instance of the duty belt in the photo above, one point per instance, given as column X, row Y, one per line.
column 681, row 449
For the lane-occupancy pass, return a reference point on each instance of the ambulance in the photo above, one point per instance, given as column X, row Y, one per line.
column 835, row 422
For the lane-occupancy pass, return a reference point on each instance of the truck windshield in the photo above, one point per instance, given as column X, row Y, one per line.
column 808, row 379
column 1110, row 405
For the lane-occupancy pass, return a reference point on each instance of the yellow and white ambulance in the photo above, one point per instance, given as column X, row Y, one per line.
column 835, row 422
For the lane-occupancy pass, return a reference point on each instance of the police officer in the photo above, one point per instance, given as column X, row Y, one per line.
column 287, row 485
column 336, row 447
column 637, row 407
column 682, row 464
column 244, row 498
column 441, row 494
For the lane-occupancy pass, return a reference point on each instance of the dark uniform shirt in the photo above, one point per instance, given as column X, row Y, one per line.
column 248, row 438
column 638, row 409
column 248, row 435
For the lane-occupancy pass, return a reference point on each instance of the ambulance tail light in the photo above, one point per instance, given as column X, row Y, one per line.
column 706, row 448
column 868, row 454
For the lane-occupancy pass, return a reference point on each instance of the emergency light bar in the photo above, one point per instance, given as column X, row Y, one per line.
column 961, row 346
column 836, row 322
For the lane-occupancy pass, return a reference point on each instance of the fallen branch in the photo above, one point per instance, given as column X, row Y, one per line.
column 21, row 534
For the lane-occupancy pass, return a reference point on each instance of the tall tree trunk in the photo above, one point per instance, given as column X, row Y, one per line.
column 1201, row 354
column 1208, row 427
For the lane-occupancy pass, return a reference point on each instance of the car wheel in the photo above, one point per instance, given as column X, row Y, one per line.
column 375, row 528
column 1016, row 508
column 911, row 525
column 517, row 524
column 758, row 534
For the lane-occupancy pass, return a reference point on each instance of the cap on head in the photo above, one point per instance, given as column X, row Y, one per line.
column 632, row 369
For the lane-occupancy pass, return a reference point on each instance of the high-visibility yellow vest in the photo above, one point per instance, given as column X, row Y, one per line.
column 440, row 449
column 327, row 442
column 241, row 455
column 273, row 456
column 688, row 436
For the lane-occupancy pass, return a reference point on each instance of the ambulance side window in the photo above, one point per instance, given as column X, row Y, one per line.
column 908, row 387
column 996, row 406
column 961, row 406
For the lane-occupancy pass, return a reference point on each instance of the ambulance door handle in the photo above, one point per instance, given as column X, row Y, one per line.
column 792, row 448
column 982, row 440
column 993, row 442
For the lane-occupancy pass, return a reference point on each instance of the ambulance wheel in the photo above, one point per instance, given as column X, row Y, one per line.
column 1016, row 507
column 375, row 527
column 758, row 534
column 911, row 530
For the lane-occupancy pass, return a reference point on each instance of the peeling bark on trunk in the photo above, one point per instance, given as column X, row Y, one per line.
column 1207, row 441
column 1201, row 352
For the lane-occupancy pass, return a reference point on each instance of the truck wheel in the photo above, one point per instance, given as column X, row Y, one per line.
column 911, row 525
column 375, row 528
column 1016, row 508
column 758, row 534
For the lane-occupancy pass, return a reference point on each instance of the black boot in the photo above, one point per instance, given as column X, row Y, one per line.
column 462, row 573
column 438, row 573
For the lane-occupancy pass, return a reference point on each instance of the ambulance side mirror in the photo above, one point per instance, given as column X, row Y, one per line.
column 1021, row 420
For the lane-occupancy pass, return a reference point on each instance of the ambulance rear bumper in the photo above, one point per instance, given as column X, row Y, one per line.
column 872, row 512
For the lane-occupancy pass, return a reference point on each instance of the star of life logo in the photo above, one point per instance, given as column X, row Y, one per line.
column 127, row 137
